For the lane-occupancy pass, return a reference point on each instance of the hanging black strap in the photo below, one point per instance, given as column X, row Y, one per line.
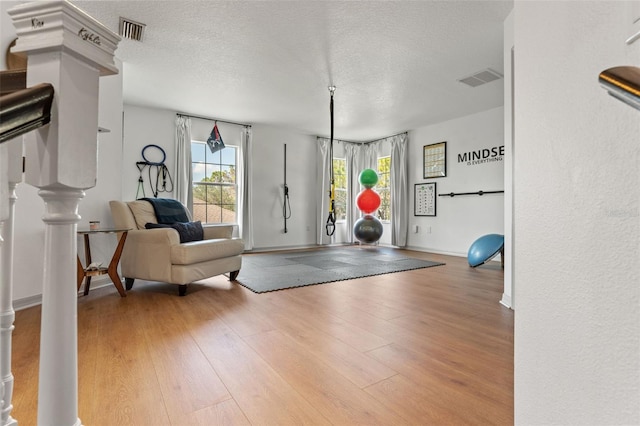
column 286, row 206
column 331, row 220
column 167, row 180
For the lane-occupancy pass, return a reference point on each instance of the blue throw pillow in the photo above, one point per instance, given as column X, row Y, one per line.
column 188, row 231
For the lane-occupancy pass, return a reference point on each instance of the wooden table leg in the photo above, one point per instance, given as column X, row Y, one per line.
column 80, row 273
column 113, row 265
column 87, row 258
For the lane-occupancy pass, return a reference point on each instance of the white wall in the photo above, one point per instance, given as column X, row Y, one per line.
column 29, row 228
column 95, row 205
column 577, row 199
column 268, row 178
column 460, row 220
column 142, row 127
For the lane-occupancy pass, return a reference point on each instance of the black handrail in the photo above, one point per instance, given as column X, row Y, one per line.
column 12, row 81
column 25, row 110
column 453, row 194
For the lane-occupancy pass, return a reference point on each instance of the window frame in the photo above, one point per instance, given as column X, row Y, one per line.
column 387, row 188
column 346, row 192
column 220, row 165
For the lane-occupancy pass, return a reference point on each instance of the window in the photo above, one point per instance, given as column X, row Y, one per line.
column 215, row 189
column 340, row 183
column 384, row 188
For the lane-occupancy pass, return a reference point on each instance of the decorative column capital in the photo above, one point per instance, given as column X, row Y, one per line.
column 69, row 50
column 60, row 26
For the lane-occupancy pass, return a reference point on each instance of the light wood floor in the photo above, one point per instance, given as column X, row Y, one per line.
column 424, row 347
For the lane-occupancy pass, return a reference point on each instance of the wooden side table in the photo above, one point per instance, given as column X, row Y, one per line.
column 112, row 269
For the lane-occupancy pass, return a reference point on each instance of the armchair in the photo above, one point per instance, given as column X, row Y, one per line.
column 158, row 255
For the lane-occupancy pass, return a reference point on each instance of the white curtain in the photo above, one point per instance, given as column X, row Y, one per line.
column 324, row 186
column 370, row 152
column 183, row 175
column 368, row 159
column 352, row 160
column 245, row 222
column 359, row 157
column 399, row 190
column 363, row 156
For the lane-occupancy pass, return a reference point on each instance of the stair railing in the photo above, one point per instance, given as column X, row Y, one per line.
column 67, row 52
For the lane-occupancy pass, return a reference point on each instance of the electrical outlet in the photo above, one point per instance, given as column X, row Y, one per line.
column 429, row 230
column 416, row 229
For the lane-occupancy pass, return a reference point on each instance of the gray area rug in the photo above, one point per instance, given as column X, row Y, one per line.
column 261, row 273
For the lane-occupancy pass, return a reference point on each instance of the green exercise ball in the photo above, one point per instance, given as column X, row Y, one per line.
column 368, row 178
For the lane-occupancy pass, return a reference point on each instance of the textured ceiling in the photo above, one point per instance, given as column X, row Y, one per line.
column 395, row 64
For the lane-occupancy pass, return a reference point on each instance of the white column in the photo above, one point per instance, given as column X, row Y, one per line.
column 4, row 216
column 69, row 50
column 58, row 381
column 11, row 166
column 7, row 314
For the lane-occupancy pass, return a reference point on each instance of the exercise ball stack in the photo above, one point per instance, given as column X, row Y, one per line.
column 368, row 229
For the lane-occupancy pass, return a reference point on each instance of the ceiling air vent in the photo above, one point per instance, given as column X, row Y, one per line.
column 481, row 77
column 131, row 29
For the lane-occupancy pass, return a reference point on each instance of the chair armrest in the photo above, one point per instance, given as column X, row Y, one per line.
column 212, row 232
column 160, row 236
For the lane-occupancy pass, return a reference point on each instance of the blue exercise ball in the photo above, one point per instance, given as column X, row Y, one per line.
column 367, row 229
column 484, row 249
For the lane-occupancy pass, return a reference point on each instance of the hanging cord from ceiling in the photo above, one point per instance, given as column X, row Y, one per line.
column 331, row 220
column 154, row 167
column 286, row 206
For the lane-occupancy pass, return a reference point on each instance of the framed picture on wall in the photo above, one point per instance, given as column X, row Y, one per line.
column 424, row 199
column 435, row 160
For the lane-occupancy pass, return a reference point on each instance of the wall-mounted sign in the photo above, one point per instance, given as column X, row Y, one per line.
column 424, row 199
column 482, row 156
column 435, row 160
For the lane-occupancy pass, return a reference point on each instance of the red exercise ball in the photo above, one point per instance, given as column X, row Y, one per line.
column 368, row 200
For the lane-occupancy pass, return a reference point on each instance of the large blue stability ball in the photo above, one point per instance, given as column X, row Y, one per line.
column 367, row 229
column 484, row 249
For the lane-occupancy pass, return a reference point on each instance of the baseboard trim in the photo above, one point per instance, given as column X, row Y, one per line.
column 506, row 301
column 496, row 259
column 281, row 248
column 428, row 250
column 35, row 300
column 27, row 302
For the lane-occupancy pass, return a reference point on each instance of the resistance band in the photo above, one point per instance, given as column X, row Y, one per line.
column 331, row 220
column 160, row 169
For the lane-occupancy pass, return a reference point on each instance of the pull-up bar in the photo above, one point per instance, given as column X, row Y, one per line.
column 452, row 194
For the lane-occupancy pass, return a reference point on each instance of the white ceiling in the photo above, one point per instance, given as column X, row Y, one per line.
column 395, row 63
